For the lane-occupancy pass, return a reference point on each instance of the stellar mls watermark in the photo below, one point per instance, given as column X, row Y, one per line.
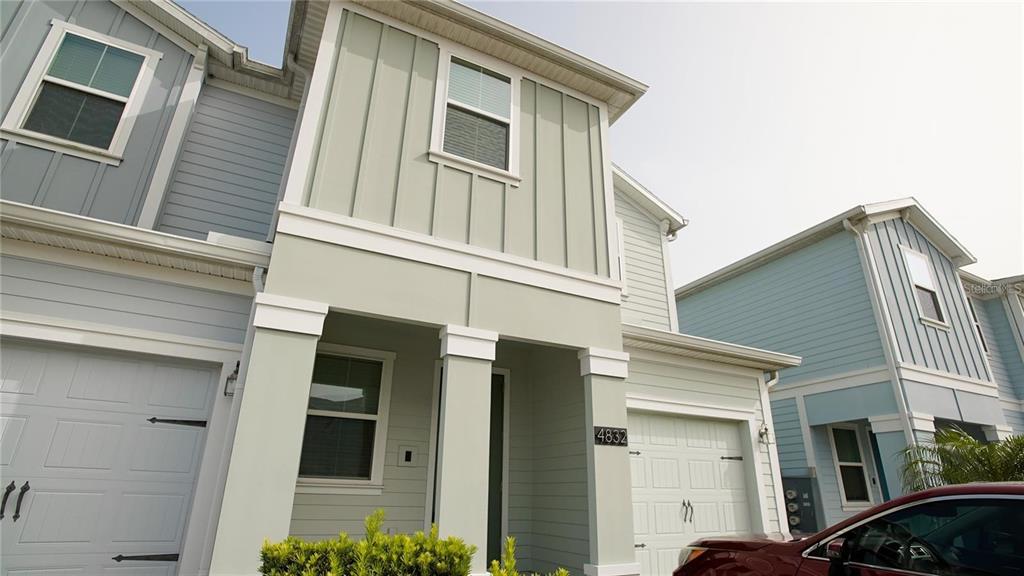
column 987, row 290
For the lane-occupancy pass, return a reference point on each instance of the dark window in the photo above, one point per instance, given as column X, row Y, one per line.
column 478, row 114
column 84, row 92
column 950, row 537
column 930, row 307
column 344, row 405
column 476, row 138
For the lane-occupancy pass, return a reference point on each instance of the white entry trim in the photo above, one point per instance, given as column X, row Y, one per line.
column 197, row 541
column 751, row 447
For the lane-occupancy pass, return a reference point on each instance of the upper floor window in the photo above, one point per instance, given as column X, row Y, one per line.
column 977, row 325
column 925, row 287
column 82, row 93
column 475, row 117
column 851, row 471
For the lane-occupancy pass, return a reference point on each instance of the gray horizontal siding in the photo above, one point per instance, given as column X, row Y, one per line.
column 1003, row 352
column 812, row 302
column 46, row 289
column 1015, row 420
column 956, row 350
column 55, row 180
column 647, row 303
column 789, row 437
column 231, row 164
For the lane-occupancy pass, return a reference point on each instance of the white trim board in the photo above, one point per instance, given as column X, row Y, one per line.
column 842, row 381
column 311, row 223
column 946, row 380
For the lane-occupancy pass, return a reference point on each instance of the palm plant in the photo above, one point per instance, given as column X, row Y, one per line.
column 955, row 457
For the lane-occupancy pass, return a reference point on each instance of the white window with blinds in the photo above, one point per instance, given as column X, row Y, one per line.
column 475, row 115
column 82, row 93
column 925, row 287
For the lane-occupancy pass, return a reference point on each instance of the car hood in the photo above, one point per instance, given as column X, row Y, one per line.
column 740, row 543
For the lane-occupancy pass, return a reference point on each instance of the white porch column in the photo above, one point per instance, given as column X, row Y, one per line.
column 264, row 462
column 609, row 492
column 464, row 437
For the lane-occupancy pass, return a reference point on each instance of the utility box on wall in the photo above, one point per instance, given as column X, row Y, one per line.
column 801, row 509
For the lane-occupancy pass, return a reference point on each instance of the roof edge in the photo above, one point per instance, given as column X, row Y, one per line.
column 708, row 349
column 648, row 200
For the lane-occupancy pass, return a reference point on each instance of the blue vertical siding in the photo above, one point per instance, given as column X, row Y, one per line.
column 230, row 167
column 788, row 437
column 955, row 350
column 55, row 180
column 812, row 302
column 1003, row 352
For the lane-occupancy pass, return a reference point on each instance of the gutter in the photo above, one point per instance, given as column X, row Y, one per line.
column 705, row 348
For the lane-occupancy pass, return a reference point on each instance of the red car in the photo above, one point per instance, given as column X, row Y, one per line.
column 965, row 530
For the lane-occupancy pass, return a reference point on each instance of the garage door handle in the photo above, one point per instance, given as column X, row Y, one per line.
column 196, row 423
column 146, row 558
column 7, row 494
column 634, row 452
column 21, row 495
column 639, row 545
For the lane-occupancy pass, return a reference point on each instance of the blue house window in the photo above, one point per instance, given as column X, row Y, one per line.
column 925, row 286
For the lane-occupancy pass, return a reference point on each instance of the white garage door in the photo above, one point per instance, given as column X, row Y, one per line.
column 688, row 483
column 92, row 477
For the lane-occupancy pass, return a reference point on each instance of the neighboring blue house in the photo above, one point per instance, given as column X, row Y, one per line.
column 872, row 300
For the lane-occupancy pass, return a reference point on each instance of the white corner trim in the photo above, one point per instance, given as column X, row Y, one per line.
column 340, row 230
column 289, row 314
column 174, row 140
column 601, row 362
column 921, row 422
column 886, row 423
column 628, row 569
column 468, row 342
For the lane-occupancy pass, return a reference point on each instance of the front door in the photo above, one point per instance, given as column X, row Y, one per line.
column 496, row 465
column 689, row 482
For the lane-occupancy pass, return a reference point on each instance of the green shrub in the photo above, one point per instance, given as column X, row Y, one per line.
column 507, row 567
column 378, row 554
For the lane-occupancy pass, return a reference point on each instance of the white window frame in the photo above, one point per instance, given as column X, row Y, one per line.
column 437, row 153
column 942, row 324
column 977, row 325
column 375, row 484
column 28, row 92
column 846, row 504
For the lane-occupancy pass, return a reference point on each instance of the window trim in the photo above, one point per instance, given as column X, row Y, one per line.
column 436, row 152
column 847, row 504
column 941, row 324
column 375, row 484
column 25, row 98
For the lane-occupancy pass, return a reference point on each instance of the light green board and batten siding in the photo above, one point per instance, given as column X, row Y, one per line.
column 373, row 161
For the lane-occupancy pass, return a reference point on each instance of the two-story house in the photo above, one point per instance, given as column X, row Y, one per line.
column 242, row 302
column 873, row 302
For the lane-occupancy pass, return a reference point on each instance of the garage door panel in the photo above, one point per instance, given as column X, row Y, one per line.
column 104, row 480
column 683, row 489
column 41, row 441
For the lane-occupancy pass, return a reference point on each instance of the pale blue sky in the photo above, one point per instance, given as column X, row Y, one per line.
column 764, row 119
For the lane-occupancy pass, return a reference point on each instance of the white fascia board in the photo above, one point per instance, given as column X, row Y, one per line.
column 645, row 198
column 726, row 352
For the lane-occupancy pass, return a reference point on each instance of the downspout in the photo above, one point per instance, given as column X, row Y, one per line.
column 883, row 319
column 773, row 453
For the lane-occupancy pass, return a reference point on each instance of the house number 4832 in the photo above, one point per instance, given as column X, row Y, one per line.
column 607, row 436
